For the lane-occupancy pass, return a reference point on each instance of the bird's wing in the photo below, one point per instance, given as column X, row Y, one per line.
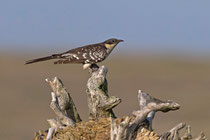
column 76, row 55
column 85, row 54
column 66, row 58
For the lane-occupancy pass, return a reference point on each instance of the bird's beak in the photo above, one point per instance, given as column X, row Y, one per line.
column 121, row 40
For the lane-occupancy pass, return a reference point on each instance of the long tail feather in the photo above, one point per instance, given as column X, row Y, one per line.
column 41, row 59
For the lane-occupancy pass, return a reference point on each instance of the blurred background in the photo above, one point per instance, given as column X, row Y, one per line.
column 165, row 53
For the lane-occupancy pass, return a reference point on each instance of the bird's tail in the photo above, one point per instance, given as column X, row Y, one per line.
column 54, row 56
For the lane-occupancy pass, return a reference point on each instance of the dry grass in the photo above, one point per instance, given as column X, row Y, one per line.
column 25, row 97
column 87, row 130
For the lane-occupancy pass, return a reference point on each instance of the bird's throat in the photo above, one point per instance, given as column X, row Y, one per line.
column 110, row 46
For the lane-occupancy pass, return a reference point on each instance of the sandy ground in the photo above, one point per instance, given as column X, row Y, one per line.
column 25, row 96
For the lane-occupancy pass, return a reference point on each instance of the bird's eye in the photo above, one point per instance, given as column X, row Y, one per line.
column 113, row 41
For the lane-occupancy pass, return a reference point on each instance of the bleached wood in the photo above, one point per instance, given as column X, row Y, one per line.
column 127, row 130
column 63, row 106
column 62, row 101
column 63, row 118
column 187, row 134
column 143, row 99
column 119, row 132
column 100, row 104
column 151, row 104
column 178, row 127
column 50, row 133
column 201, row 137
column 173, row 134
column 54, row 123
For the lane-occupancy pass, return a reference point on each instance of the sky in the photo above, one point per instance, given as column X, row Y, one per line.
column 159, row 24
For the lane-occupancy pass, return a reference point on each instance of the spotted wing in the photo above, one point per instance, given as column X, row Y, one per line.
column 87, row 54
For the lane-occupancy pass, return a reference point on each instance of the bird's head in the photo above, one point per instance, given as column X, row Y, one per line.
column 111, row 43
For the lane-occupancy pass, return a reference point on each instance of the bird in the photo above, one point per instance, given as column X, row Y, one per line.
column 85, row 55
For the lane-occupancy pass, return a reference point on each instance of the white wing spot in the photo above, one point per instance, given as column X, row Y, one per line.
column 87, row 61
column 75, row 56
column 90, row 54
column 84, row 55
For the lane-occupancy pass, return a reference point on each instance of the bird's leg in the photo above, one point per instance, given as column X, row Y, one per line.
column 93, row 67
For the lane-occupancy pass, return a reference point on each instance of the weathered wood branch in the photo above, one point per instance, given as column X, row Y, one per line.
column 119, row 132
column 173, row 134
column 99, row 103
column 62, row 102
column 63, row 106
column 187, row 134
column 62, row 116
column 201, row 137
column 55, row 123
column 50, row 133
column 147, row 103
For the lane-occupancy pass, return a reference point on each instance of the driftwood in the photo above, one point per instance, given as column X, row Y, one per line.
column 103, row 124
column 148, row 104
column 99, row 103
column 63, row 106
column 62, row 103
column 173, row 134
